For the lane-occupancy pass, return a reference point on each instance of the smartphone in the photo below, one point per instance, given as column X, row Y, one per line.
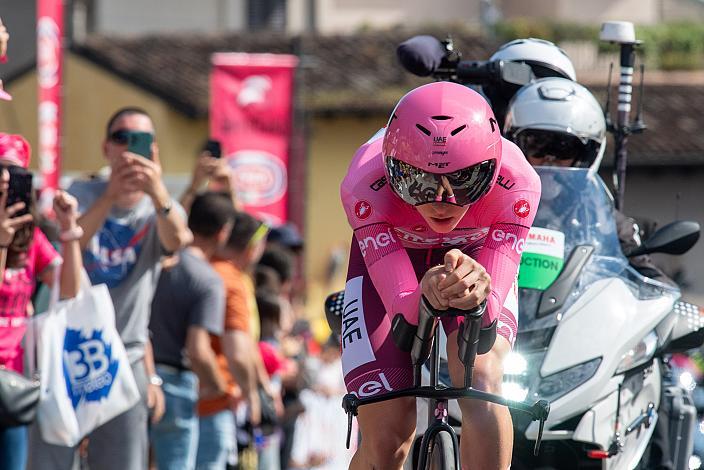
column 20, row 189
column 213, row 147
column 140, row 143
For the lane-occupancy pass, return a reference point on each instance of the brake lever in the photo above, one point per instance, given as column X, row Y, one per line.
column 540, row 412
column 536, row 449
column 350, row 403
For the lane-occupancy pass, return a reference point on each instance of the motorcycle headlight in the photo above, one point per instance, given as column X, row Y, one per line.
column 515, row 364
column 560, row 383
column 516, row 377
column 639, row 354
column 514, row 391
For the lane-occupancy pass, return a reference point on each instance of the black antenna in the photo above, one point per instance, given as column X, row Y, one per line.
column 639, row 126
column 607, row 106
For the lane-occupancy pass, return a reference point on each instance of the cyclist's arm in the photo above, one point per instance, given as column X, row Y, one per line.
column 501, row 253
column 390, row 269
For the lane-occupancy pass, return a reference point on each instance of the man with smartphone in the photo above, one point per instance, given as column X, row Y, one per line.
column 210, row 170
column 129, row 221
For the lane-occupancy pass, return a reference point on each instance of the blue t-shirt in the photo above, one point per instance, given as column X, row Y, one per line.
column 124, row 254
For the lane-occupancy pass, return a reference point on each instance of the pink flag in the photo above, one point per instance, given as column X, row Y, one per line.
column 50, row 27
column 250, row 113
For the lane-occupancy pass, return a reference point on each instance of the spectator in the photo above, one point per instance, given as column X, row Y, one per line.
column 213, row 173
column 266, row 279
column 25, row 257
column 188, row 307
column 282, row 261
column 236, row 349
column 323, row 416
column 280, row 371
column 4, row 39
column 129, row 222
column 286, row 236
column 284, row 253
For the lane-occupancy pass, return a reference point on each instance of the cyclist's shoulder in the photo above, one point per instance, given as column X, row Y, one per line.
column 516, row 174
column 516, row 193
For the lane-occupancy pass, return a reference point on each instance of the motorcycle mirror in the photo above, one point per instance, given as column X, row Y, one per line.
column 675, row 238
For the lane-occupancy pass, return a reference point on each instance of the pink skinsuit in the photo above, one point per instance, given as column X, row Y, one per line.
column 393, row 247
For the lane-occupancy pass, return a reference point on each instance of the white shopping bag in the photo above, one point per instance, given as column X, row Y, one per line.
column 86, row 378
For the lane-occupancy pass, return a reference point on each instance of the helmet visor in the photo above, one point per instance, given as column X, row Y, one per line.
column 462, row 187
column 551, row 148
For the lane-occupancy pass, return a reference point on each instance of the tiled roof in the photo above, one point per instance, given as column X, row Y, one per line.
column 359, row 74
column 673, row 135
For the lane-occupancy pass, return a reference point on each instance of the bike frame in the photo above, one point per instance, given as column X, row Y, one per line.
column 437, row 415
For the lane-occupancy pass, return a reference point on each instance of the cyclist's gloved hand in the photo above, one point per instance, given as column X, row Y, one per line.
column 465, row 283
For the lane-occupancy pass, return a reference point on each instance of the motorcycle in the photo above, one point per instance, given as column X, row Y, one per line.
column 594, row 336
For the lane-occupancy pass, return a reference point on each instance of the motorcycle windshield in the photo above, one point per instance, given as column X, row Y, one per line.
column 575, row 209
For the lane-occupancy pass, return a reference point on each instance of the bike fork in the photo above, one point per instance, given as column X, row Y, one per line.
column 439, row 424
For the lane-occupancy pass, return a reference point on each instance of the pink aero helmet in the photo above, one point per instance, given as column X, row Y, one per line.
column 442, row 144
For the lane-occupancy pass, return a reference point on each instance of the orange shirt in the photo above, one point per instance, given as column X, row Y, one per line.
column 240, row 314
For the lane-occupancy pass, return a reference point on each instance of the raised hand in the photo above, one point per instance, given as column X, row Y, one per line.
column 66, row 210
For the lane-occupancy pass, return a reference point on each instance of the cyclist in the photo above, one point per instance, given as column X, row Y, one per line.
column 440, row 205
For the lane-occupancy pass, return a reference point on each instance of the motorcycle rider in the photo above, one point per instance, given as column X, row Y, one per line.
column 545, row 60
column 557, row 122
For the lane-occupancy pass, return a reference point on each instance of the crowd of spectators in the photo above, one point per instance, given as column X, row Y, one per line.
column 207, row 302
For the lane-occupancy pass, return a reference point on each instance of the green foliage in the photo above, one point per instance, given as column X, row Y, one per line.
column 675, row 46
column 552, row 31
column 671, row 46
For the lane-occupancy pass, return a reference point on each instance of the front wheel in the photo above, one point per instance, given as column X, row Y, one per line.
column 442, row 453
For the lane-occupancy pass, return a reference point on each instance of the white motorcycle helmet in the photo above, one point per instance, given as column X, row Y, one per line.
column 544, row 57
column 557, row 122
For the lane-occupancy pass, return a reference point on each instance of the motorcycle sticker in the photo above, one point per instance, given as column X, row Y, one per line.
column 543, row 258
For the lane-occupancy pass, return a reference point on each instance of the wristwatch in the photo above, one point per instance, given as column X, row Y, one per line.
column 164, row 211
column 156, row 380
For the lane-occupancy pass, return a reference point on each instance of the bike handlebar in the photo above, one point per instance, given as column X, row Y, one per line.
column 538, row 411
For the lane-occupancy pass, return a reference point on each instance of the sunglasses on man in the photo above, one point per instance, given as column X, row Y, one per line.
column 122, row 136
column 138, row 142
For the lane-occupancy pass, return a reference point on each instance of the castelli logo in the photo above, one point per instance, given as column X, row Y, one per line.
column 521, row 208
column 362, row 210
column 260, row 177
column 48, row 51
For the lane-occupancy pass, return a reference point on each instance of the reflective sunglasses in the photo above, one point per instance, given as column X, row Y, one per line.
column 461, row 187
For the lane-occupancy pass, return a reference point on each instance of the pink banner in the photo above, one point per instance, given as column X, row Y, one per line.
column 50, row 28
column 250, row 113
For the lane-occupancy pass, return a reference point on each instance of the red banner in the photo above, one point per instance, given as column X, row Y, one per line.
column 50, row 28
column 250, row 114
